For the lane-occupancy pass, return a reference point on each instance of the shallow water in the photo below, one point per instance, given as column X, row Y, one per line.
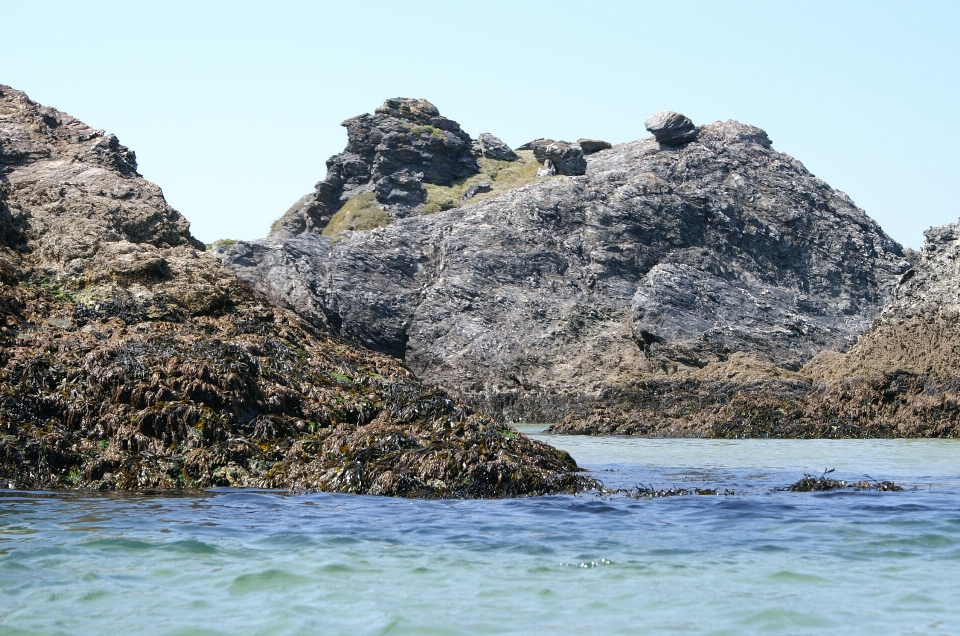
column 756, row 561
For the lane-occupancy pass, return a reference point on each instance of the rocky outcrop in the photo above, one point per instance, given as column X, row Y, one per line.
column 919, row 332
column 901, row 378
column 659, row 260
column 564, row 157
column 671, row 129
column 493, row 148
column 393, row 152
column 132, row 359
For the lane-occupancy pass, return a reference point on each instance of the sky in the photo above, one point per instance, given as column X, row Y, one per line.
column 234, row 107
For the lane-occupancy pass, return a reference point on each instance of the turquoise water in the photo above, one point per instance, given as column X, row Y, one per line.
column 757, row 561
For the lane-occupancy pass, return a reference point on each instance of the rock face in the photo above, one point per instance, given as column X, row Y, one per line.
column 393, row 152
column 919, row 332
column 901, row 379
column 659, row 260
column 492, row 148
column 671, row 129
column 131, row 359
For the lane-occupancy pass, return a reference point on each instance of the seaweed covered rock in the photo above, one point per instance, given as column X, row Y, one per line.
column 131, row 359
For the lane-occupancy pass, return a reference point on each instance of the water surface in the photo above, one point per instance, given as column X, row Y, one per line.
column 755, row 561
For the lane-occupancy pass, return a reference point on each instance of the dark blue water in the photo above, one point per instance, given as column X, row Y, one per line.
column 756, row 561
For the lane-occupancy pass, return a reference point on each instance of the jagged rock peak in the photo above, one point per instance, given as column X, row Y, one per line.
column 391, row 153
column 419, row 110
column 670, row 128
column 69, row 188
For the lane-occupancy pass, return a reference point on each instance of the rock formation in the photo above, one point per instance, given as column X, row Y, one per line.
column 901, row 378
column 667, row 255
column 392, row 153
column 130, row 358
column 671, row 129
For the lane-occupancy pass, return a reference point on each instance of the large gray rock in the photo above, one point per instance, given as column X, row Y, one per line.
column 656, row 261
column 671, row 129
column 567, row 158
column 492, row 148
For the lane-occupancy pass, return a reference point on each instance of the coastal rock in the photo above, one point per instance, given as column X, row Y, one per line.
column 671, row 129
column 567, row 158
column 132, row 359
column 919, row 332
column 403, row 137
column 901, row 378
column 590, row 146
column 652, row 264
column 492, row 148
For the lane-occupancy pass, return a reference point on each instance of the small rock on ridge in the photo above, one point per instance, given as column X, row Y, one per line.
column 591, row 146
column 477, row 188
column 492, row 147
column 670, row 128
column 567, row 158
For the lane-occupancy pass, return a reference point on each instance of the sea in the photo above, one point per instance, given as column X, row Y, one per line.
column 751, row 559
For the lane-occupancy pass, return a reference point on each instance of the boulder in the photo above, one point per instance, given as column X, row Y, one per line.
column 567, row 158
column 492, row 148
column 591, row 146
column 670, row 128
column 477, row 188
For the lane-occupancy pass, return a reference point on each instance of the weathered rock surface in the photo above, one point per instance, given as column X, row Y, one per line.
column 919, row 332
column 567, row 158
column 658, row 260
column 393, row 152
column 590, row 146
column 493, row 148
column 671, row 129
column 901, row 379
column 131, row 359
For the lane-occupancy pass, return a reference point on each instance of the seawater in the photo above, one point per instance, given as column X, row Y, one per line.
column 758, row 560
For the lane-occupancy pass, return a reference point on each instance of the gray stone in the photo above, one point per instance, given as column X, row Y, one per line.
column 567, row 158
column 402, row 188
column 492, row 148
column 591, row 146
column 671, row 129
column 477, row 188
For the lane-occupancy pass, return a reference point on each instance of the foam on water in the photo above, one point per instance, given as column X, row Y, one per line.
column 758, row 561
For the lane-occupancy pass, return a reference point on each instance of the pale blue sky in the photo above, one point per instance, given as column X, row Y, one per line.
column 233, row 107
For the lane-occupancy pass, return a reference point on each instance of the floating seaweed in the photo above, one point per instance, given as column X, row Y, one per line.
column 809, row 483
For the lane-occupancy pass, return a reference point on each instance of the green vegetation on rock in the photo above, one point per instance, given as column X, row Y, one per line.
column 361, row 212
column 502, row 176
